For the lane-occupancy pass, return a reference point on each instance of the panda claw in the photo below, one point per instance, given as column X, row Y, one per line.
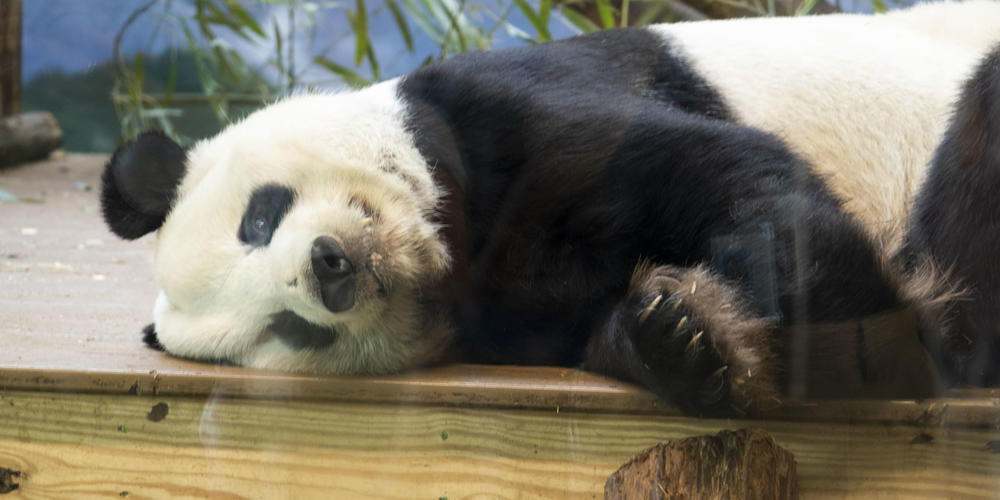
column 692, row 345
column 694, row 286
column 649, row 309
column 681, row 323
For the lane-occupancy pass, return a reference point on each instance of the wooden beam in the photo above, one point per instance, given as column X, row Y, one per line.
column 10, row 57
column 98, row 446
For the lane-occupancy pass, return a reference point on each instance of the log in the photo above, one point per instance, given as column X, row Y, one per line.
column 28, row 137
column 747, row 463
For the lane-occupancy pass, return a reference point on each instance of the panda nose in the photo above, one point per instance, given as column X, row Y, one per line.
column 335, row 274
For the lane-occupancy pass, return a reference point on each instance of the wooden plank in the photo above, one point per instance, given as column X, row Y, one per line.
column 91, row 446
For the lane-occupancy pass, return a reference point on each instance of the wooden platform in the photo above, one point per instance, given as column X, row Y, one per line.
column 86, row 411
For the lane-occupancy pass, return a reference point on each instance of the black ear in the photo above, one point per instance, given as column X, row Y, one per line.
column 139, row 184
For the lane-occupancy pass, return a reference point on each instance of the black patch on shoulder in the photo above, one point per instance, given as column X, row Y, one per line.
column 675, row 82
column 957, row 222
column 149, row 337
column 267, row 206
column 480, row 116
column 298, row 333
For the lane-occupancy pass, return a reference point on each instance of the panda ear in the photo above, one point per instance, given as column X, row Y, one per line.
column 139, row 184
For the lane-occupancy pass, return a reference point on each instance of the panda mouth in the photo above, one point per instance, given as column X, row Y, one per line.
column 298, row 333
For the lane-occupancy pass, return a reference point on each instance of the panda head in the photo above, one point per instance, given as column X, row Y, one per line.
column 297, row 239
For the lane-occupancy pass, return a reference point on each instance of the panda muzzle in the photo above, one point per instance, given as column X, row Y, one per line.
column 334, row 274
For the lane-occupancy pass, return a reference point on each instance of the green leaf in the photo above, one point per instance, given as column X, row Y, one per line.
column 455, row 27
column 805, row 8
column 404, row 30
column 135, row 86
column 279, row 61
column 424, row 22
column 168, row 91
column 359, row 21
column 578, row 20
column 879, row 6
column 544, row 9
column 606, row 12
column 653, row 12
column 350, row 77
column 376, row 73
column 220, row 18
column 244, row 17
column 535, row 18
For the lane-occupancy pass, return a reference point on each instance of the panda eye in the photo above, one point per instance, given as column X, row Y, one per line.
column 267, row 206
column 365, row 206
column 260, row 224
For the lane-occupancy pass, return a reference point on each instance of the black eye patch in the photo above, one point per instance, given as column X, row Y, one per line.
column 268, row 205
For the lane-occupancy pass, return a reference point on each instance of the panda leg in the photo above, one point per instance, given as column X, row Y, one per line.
column 683, row 333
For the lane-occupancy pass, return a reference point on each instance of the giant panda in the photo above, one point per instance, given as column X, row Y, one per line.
column 706, row 209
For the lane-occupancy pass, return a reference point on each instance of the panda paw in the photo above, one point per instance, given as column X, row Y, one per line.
column 150, row 338
column 700, row 347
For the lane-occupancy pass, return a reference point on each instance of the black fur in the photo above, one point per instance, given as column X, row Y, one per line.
column 267, row 206
column 577, row 160
column 298, row 333
column 150, row 339
column 139, row 184
column 957, row 221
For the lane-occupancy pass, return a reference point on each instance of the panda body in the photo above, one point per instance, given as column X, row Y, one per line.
column 598, row 200
column 866, row 113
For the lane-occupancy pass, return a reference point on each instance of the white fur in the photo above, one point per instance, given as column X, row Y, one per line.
column 864, row 98
column 218, row 294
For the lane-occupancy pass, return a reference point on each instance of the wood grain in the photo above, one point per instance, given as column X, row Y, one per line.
column 748, row 461
column 96, row 446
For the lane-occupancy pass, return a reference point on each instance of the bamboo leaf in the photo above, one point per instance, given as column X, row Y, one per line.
column 244, row 17
column 544, row 11
column 607, row 14
column 168, row 91
column 535, row 18
column 653, row 12
column 879, row 6
column 135, row 86
column 518, row 33
column 279, row 60
column 219, row 17
column 404, row 30
column 805, row 8
column 455, row 27
column 373, row 62
column 578, row 20
column 424, row 22
column 359, row 21
column 350, row 77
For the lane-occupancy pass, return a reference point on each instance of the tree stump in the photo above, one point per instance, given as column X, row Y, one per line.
column 27, row 137
column 747, row 463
